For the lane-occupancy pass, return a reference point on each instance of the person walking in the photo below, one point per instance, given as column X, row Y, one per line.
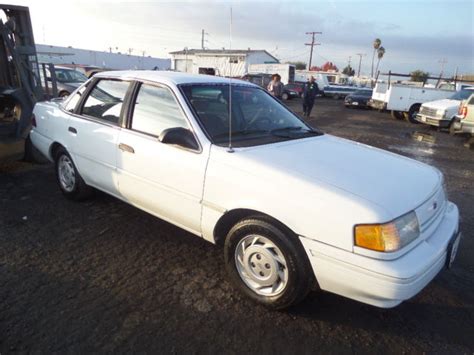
column 275, row 87
column 309, row 95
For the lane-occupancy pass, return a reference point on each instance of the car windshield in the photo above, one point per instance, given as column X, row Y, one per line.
column 462, row 95
column 257, row 117
column 69, row 76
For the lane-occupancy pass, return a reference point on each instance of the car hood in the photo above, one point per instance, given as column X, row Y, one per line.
column 395, row 183
column 443, row 104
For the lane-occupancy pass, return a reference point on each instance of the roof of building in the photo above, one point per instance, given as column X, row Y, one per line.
column 223, row 51
column 167, row 77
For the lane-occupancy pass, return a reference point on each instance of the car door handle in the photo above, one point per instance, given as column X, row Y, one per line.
column 72, row 130
column 126, row 148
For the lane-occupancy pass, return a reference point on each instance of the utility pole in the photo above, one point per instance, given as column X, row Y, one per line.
column 203, row 33
column 442, row 62
column 312, row 44
column 360, row 62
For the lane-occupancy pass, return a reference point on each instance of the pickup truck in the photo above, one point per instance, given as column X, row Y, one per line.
column 294, row 209
column 404, row 101
column 441, row 113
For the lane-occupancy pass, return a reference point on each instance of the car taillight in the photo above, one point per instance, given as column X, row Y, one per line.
column 463, row 111
column 33, row 120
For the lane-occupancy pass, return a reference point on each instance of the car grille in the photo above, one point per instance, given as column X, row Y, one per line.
column 431, row 211
column 428, row 111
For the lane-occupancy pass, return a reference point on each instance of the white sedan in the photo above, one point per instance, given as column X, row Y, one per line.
column 293, row 208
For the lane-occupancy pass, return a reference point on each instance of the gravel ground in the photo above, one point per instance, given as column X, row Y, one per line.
column 103, row 276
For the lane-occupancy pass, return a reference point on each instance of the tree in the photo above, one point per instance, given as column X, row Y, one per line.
column 380, row 54
column 348, row 71
column 298, row 65
column 419, row 75
column 328, row 66
column 377, row 43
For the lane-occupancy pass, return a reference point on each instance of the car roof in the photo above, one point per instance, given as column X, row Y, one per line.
column 169, row 77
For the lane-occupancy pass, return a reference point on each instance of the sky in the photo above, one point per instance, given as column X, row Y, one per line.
column 416, row 34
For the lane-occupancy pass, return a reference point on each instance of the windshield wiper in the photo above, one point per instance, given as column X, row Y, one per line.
column 242, row 132
column 285, row 131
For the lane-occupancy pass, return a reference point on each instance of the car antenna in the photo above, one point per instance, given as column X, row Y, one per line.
column 230, row 149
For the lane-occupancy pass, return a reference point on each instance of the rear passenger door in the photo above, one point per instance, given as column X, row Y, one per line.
column 163, row 179
column 93, row 133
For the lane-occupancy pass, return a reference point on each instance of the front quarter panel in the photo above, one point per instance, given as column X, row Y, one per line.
column 312, row 209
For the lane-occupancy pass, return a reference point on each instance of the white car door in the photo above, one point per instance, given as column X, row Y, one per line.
column 94, row 131
column 165, row 180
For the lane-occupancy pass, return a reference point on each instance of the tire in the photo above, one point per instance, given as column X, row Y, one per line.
column 285, row 96
column 280, row 268
column 69, row 180
column 451, row 129
column 396, row 115
column 336, row 96
column 410, row 116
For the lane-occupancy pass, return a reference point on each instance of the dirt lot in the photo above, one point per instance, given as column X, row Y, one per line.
column 104, row 276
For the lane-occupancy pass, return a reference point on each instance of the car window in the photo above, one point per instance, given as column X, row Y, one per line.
column 105, row 100
column 155, row 110
column 462, row 95
column 70, row 103
column 471, row 100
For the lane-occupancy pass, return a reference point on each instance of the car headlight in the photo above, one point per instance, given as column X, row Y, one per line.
column 388, row 237
column 441, row 112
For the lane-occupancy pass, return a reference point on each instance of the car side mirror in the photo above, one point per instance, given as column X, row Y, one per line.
column 179, row 136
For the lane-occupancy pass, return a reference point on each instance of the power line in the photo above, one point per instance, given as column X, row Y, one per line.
column 312, row 44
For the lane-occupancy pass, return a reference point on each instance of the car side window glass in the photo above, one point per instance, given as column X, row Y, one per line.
column 70, row 103
column 155, row 110
column 471, row 100
column 105, row 100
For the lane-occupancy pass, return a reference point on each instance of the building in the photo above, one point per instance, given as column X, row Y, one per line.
column 69, row 55
column 222, row 62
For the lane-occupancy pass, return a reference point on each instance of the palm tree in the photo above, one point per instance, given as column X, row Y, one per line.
column 380, row 53
column 376, row 45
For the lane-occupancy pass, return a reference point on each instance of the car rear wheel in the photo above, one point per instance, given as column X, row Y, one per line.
column 267, row 263
column 70, row 181
column 285, row 96
column 396, row 115
column 411, row 115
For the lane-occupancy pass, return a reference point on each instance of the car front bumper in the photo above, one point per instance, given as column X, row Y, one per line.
column 384, row 283
column 433, row 121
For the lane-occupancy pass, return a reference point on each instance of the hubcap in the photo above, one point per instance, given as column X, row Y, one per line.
column 66, row 173
column 261, row 265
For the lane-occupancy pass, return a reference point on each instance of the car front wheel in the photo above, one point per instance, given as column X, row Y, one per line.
column 70, row 182
column 267, row 263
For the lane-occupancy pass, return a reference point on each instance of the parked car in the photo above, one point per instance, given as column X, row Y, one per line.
column 297, row 87
column 67, row 80
column 464, row 120
column 292, row 207
column 404, row 101
column 360, row 98
column 289, row 92
column 87, row 70
column 441, row 113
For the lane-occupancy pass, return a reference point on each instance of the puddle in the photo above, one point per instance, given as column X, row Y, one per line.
column 423, row 137
column 423, row 154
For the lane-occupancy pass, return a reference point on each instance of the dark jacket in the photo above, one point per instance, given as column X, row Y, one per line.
column 310, row 91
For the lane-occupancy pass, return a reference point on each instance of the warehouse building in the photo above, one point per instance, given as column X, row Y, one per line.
column 222, row 62
column 69, row 55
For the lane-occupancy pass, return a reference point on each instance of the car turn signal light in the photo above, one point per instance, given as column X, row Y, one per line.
column 379, row 237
